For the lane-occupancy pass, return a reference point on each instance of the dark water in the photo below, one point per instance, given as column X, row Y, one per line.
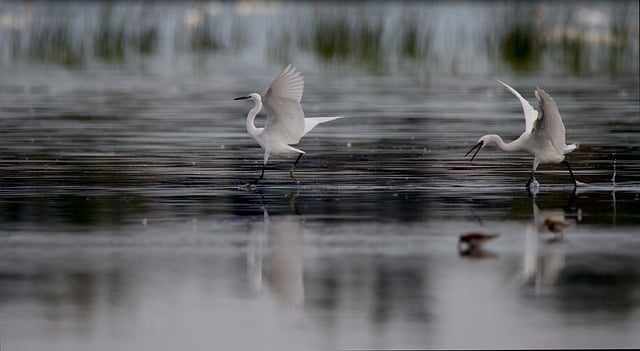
column 126, row 221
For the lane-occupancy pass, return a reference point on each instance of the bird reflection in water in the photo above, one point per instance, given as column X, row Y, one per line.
column 275, row 258
column 543, row 265
column 471, row 245
column 551, row 221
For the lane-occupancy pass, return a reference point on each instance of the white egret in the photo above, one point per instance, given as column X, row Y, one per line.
column 543, row 137
column 286, row 123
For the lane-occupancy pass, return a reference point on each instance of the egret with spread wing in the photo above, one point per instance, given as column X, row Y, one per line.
column 286, row 123
column 543, row 137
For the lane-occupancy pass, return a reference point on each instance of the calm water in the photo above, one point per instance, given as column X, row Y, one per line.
column 126, row 221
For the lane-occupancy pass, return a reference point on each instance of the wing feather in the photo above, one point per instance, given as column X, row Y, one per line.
column 285, row 118
column 549, row 123
column 311, row 122
column 530, row 114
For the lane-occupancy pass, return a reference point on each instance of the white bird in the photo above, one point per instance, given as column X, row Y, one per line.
column 286, row 123
column 543, row 137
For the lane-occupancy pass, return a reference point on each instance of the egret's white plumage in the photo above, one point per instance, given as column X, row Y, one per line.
column 543, row 137
column 285, row 123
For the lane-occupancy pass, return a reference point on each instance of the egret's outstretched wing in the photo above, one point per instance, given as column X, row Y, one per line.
column 285, row 118
column 549, row 123
column 530, row 114
column 311, row 122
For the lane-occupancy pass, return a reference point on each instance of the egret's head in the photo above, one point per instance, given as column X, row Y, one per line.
column 252, row 96
column 482, row 142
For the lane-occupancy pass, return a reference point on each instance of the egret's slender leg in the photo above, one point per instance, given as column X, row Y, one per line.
column 571, row 201
column 575, row 184
column 261, row 175
column 293, row 176
column 267, row 153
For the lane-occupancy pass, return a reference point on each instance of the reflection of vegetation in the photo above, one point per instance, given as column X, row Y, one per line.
column 71, row 209
column 582, row 286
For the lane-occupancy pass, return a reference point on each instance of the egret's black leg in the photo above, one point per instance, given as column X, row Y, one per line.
column 571, row 201
column 575, row 184
column 261, row 175
column 293, row 176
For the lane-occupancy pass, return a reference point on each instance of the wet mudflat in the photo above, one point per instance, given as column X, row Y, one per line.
column 127, row 222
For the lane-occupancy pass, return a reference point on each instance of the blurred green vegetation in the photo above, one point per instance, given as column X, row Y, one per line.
column 578, row 38
column 109, row 38
column 203, row 40
column 53, row 42
column 341, row 39
column 411, row 46
column 521, row 47
column 583, row 41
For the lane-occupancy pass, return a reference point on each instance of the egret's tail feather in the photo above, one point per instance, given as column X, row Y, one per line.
column 311, row 122
column 570, row 148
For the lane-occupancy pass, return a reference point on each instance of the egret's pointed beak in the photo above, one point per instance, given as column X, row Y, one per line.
column 243, row 97
column 476, row 147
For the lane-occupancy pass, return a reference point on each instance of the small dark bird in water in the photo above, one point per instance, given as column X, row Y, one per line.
column 470, row 245
column 475, row 239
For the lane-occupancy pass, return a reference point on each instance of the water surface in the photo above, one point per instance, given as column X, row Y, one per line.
column 126, row 221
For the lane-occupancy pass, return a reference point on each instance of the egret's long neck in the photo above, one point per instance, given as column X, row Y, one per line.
column 251, row 117
column 496, row 139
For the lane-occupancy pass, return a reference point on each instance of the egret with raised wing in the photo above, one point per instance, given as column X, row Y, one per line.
column 286, row 123
column 543, row 137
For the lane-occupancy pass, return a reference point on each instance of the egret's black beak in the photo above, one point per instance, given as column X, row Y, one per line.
column 242, row 98
column 476, row 147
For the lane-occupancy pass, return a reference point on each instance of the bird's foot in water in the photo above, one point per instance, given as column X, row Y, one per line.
column 533, row 186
